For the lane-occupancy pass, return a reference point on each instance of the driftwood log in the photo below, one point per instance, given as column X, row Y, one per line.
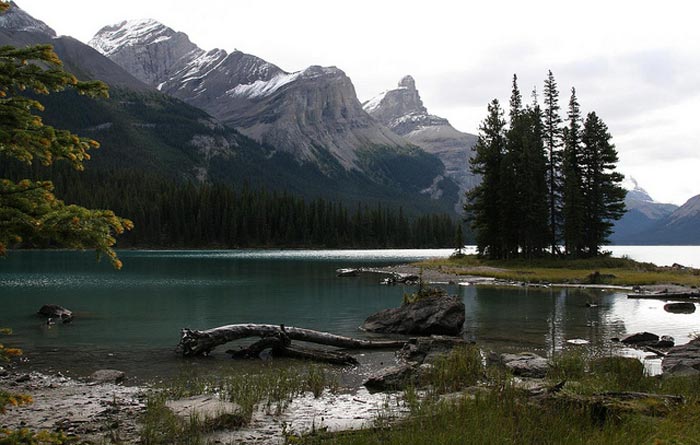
column 278, row 339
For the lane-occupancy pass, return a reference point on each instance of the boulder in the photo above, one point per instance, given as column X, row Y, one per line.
column 441, row 315
column 107, row 376
column 680, row 359
column 214, row 412
column 680, row 308
column 57, row 312
column 666, row 341
column 641, row 339
column 392, row 378
column 526, row 364
column 427, row 349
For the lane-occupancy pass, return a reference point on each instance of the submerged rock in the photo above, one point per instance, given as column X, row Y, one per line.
column 55, row 311
column 641, row 339
column 526, row 364
column 346, row 272
column 441, row 315
column 680, row 308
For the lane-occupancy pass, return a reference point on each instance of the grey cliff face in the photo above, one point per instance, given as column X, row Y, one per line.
column 297, row 112
column 15, row 19
column 402, row 111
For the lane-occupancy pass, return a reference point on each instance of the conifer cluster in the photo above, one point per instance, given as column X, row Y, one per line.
column 547, row 188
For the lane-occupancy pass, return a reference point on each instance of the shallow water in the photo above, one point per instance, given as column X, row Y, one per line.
column 131, row 319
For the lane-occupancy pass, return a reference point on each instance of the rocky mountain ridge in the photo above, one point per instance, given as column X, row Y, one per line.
column 310, row 113
column 402, row 110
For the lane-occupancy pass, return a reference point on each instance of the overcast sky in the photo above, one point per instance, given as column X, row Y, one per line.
column 636, row 63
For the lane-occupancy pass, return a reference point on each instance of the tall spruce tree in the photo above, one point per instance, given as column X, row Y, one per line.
column 572, row 197
column 552, row 128
column 603, row 195
column 531, row 182
column 483, row 207
column 509, row 193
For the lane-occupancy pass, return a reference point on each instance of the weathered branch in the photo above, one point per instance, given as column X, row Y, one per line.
column 195, row 342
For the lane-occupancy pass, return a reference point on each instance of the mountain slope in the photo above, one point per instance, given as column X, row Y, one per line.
column 682, row 227
column 402, row 110
column 143, row 129
column 642, row 214
column 301, row 113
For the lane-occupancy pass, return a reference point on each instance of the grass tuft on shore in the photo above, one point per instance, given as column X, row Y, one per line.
column 504, row 412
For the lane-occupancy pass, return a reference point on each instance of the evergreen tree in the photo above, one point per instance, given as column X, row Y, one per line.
column 509, row 193
column 29, row 211
column 531, row 183
column 483, row 205
column 552, row 139
column 603, row 195
column 572, row 196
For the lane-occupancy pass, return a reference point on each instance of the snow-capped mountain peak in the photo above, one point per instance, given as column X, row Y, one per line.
column 634, row 191
column 111, row 38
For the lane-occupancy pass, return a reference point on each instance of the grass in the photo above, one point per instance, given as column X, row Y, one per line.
column 272, row 389
column 506, row 414
column 611, row 270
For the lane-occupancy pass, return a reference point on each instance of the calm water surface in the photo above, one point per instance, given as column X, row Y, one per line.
column 131, row 319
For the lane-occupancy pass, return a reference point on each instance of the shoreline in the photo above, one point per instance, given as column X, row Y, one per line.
column 439, row 277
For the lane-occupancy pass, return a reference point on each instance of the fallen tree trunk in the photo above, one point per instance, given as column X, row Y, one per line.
column 282, row 348
column 195, row 342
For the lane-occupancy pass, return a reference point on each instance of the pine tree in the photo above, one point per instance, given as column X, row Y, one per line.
column 572, row 197
column 483, row 205
column 29, row 211
column 552, row 139
column 603, row 195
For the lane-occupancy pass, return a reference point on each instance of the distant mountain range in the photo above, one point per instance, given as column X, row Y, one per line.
column 180, row 111
column 651, row 222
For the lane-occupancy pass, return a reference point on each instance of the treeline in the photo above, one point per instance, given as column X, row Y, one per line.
column 171, row 214
column 544, row 184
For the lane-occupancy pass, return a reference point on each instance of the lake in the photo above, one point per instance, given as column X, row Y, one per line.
column 131, row 319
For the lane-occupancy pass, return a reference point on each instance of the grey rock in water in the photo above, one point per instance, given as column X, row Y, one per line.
column 392, row 378
column 107, row 376
column 526, row 364
column 428, row 349
column 666, row 341
column 54, row 311
column 680, row 308
column 402, row 110
column 442, row 315
column 683, row 359
column 640, row 339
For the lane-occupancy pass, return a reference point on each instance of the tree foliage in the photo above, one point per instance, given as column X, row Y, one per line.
column 29, row 211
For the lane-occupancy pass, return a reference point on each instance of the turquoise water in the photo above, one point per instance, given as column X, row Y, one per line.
column 131, row 319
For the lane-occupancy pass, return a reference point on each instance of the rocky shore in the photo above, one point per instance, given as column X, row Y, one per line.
column 92, row 411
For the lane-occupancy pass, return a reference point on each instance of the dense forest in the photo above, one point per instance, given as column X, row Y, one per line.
column 545, row 185
column 169, row 213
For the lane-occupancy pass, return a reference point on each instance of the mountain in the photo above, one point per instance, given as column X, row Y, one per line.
column 682, row 227
column 642, row 214
column 402, row 110
column 141, row 128
column 313, row 114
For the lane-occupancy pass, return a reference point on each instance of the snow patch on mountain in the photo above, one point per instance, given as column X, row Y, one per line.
column 129, row 33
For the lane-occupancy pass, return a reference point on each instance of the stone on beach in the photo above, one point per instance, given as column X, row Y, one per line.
column 441, row 315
